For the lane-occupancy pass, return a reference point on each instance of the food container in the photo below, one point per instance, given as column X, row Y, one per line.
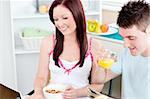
column 54, row 91
column 103, row 97
column 32, row 37
column 32, row 43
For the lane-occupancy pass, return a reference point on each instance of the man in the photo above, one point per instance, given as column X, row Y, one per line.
column 134, row 62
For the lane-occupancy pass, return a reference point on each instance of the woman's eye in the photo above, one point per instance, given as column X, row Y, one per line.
column 65, row 18
column 55, row 19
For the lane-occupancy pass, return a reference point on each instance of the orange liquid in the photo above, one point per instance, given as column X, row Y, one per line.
column 105, row 63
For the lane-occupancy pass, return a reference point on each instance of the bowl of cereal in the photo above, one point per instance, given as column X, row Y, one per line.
column 54, row 91
column 103, row 97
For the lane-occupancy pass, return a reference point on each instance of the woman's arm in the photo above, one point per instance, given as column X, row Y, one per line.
column 43, row 70
column 98, row 51
column 94, row 83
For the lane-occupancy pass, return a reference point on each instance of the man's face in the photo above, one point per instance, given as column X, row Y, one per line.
column 135, row 40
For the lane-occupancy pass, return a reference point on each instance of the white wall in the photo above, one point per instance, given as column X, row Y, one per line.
column 115, row 5
column 7, row 67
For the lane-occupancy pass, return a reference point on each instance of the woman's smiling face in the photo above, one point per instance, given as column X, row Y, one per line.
column 64, row 20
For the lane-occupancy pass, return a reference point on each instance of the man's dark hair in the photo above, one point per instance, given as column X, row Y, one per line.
column 134, row 13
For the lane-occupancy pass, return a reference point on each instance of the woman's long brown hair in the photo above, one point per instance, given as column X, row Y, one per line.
column 76, row 8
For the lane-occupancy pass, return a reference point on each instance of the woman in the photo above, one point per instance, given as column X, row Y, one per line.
column 68, row 56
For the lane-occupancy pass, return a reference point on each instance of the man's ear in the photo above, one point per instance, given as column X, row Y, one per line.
column 148, row 29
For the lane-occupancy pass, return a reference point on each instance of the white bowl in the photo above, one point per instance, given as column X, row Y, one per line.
column 58, row 87
column 102, row 97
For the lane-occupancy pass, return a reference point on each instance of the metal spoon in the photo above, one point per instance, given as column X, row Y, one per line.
column 93, row 93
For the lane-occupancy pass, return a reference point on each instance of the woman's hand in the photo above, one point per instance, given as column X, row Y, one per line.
column 70, row 93
column 35, row 96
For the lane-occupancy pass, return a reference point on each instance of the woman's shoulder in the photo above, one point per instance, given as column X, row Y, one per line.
column 47, row 42
column 96, row 46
